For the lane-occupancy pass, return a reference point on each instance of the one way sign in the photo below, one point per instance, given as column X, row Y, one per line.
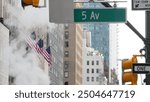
column 141, row 68
column 141, row 4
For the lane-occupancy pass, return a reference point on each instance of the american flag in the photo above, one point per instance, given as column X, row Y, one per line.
column 38, row 47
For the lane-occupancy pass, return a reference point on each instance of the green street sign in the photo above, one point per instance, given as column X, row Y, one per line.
column 100, row 15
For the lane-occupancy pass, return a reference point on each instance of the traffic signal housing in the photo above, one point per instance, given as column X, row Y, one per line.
column 34, row 3
column 127, row 74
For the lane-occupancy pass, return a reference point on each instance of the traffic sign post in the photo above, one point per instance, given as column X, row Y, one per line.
column 141, row 68
column 141, row 4
column 147, row 44
column 100, row 15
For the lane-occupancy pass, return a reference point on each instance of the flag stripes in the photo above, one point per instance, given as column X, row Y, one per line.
column 34, row 45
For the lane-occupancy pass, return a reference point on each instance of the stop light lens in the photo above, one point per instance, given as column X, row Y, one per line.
column 34, row 3
column 130, row 77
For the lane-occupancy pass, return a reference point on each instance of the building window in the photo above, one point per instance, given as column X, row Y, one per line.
column 66, row 53
column 66, row 35
column 92, row 70
column 66, row 74
column 66, row 64
column 97, row 62
column 11, row 80
column 66, row 83
column 66, row 43
column 92, row 79
column 87, row 78
column 97, row 70
column 87, row 70
column 88, row 63
column 92, row 62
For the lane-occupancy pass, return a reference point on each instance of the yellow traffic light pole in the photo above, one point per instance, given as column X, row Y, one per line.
column 127, row 74
column 34, row 3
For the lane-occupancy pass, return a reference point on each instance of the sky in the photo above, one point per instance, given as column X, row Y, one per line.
column 129, row 42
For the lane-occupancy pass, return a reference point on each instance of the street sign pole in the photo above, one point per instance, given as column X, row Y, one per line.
column 147, row 19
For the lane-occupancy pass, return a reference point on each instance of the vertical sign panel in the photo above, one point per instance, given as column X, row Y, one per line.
column 61, row 11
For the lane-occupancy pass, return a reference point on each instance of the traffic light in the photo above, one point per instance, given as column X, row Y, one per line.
column 34, row 3
column 127, row 74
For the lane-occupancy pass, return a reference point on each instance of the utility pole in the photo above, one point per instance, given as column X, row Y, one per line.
column 147, row 44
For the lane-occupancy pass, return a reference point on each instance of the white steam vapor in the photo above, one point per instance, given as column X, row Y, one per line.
column 25, row 66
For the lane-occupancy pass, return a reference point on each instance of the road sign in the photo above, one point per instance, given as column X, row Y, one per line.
column 141, row 68
column 100, row 15
column 141, row 4
column 61, row 11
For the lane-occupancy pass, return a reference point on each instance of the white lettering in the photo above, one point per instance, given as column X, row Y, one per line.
column 141, row 68
column 84, row 15
column 94, row 16
column 97, row 16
